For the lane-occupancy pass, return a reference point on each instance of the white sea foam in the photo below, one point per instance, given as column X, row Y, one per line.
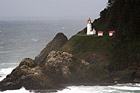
column 126, row 88
column 22, row 90
column 137, row 84
column 86, row 89
column 5, row 71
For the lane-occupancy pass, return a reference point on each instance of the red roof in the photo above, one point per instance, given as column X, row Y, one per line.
column 89, row 19
column 111, row 31
column 100, row 31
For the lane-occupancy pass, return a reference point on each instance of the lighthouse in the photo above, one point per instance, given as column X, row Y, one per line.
column 90, row 31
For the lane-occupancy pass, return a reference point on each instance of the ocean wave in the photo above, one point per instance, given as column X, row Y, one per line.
column 35, row 40
column 6, row 71
column 3, row 52
column 126, row 88
column 137, row 85
column 8, row 64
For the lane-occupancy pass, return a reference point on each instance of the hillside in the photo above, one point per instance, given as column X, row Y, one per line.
column 115, row 53
column 93, row 49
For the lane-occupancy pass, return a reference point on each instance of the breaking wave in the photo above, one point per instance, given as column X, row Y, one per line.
column 4, row 72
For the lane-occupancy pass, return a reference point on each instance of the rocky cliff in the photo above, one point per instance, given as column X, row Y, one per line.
column 117, row 53
column 123, row 17
column 57, row 68
column 58, row 41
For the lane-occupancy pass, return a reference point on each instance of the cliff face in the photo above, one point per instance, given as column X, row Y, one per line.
column 118, row 52
column 57, row 42
column 123, row 17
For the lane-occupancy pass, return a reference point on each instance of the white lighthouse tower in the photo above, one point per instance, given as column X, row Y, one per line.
column 90, row 31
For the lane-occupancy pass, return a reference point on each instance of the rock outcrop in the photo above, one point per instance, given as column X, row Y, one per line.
column 27, row 75
column 59, row 40
column 63, row 67
column 57, row 68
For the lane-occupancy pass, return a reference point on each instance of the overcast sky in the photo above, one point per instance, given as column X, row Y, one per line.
column 54, row 9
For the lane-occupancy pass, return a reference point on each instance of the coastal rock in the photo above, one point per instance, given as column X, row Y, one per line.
column 125, row 76
column 137, row 76
column 59, row 40
column 58, row 68
column 27, row 75
column 63, row 67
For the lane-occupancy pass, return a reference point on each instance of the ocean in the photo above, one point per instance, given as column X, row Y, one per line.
column 25, row 39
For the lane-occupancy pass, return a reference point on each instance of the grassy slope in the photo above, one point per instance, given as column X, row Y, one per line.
column 96, row 50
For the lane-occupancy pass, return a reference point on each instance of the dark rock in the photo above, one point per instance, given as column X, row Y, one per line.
column 63, row 67
column 136, row 76
column 125, row 76
column 27, row 75
column 57, row 68
column 59, row 40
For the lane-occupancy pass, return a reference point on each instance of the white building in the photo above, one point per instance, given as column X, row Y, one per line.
column 90, row 31
column 111, row 33
column 100, row 33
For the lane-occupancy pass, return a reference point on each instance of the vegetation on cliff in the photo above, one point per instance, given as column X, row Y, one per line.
column 123, row 49
column 123, row 17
